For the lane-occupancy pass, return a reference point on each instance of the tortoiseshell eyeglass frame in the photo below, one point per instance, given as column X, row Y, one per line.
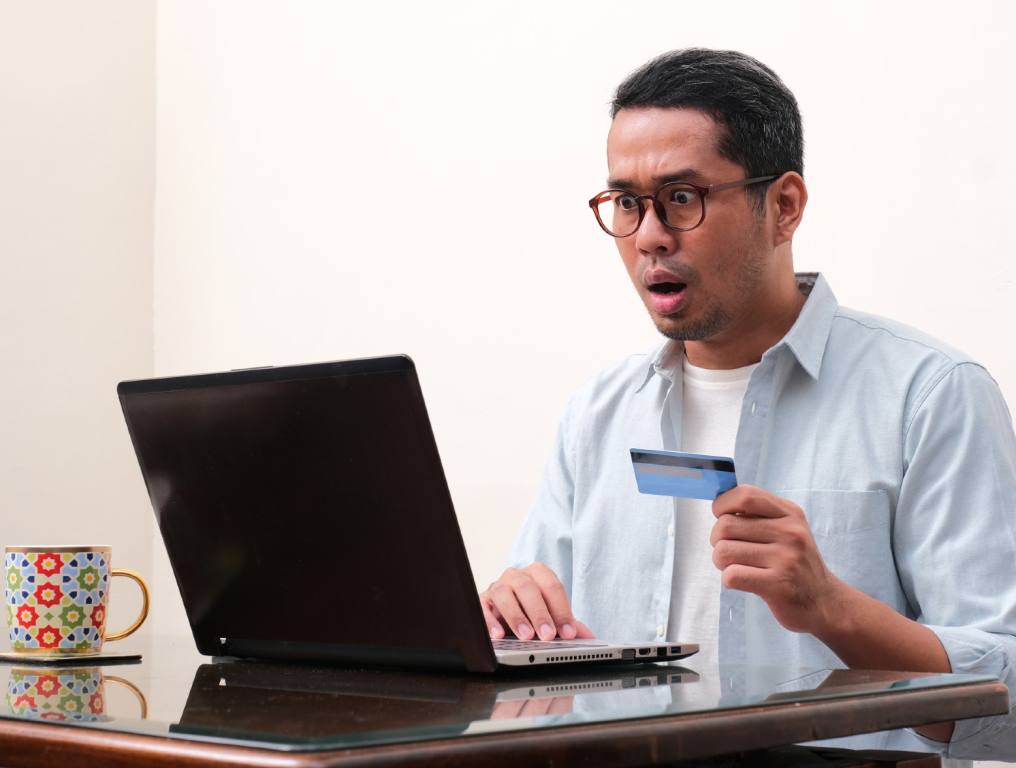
column 703, row 192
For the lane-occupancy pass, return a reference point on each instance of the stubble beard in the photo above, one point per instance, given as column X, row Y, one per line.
column 715, row 317
column 713, row 322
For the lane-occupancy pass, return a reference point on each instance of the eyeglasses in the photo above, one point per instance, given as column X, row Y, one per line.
column 679, row 205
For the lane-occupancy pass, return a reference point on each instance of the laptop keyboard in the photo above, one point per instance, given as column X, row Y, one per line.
column 537, row 645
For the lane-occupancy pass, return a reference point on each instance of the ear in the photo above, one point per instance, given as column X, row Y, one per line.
column 787, row 197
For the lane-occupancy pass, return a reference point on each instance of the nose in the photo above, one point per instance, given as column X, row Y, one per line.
column 653, row 237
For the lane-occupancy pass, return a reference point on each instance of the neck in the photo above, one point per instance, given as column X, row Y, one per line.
column 752, row 333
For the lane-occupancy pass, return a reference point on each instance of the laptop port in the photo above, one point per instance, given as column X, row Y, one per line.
column 645, row 651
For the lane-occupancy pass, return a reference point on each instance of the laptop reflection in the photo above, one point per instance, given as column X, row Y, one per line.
column 304, row 707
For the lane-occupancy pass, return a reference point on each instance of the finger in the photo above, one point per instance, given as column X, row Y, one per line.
column 556, row 598
column 536, row 707
column 493, row 609
column 560, row 705
column 488, row 602
column 494, row 627
column 584, row 632
column 530, row 597
column 506, row 710
column 748, row 500
column 763, row 530
column 746, row 578
column 503, row 597
column 727, row 553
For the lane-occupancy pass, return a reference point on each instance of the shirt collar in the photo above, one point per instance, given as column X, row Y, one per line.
column 806, row 338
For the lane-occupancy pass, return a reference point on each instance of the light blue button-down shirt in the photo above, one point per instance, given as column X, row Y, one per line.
column 899, row 449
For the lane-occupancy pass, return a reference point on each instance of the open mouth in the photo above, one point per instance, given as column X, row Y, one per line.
column 667, row 288
column 667, row 297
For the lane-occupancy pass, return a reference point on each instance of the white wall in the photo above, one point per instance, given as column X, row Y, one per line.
column 291, row 133
column 295, row 138
column 77, row 144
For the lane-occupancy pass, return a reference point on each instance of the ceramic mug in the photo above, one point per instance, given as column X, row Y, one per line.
column 57, row 598
column 64, row 694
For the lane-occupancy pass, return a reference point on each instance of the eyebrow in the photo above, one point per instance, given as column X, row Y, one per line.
column 685, row 174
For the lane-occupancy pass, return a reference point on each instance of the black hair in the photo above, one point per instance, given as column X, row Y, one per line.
column 760, row 124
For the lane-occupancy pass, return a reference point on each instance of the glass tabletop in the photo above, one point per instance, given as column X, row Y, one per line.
column 288, row 707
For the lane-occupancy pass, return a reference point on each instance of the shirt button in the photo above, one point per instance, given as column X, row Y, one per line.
column 659, row 630
column 670, row 530
column 754, row 404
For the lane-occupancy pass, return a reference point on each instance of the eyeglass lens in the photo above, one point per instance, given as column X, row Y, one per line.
column 619, row 212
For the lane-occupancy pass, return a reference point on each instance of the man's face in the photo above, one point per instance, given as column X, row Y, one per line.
column 718, row 268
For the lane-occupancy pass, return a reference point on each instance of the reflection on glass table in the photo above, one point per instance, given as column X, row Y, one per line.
column 305, row 708
column 65, row 694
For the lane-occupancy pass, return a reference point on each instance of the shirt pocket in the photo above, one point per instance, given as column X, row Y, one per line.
column 853, row 532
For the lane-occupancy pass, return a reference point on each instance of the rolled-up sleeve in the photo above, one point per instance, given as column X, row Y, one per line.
column 546, row 534
column 954, row 533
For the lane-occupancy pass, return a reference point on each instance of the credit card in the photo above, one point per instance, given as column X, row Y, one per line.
column 687, row 475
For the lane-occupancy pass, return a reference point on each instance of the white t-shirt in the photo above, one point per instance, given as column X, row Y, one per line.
column 710, row 416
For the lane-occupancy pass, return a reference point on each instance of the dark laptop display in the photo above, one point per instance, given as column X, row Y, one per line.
column 293, row 528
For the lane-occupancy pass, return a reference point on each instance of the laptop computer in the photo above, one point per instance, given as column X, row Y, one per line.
column 306, row 515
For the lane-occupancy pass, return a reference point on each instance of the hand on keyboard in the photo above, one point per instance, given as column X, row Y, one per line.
column 532, row 603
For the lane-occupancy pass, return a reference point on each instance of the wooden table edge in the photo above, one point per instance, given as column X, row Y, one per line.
column 666, row 738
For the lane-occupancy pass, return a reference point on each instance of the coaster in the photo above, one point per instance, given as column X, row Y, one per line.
column 69, row 659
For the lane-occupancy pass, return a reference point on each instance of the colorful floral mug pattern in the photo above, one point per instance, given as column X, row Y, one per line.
column 57, row 598
column 68, row 694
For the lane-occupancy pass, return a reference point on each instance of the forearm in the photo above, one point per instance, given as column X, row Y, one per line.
column 867, row 634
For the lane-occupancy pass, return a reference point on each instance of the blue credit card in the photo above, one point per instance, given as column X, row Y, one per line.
column 687, row 475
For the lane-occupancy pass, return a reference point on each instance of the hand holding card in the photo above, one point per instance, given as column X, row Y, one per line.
column 687, row 475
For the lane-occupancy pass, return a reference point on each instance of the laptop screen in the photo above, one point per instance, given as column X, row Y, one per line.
column 305, row 513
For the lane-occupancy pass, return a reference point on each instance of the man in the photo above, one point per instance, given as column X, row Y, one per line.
column 875, row 520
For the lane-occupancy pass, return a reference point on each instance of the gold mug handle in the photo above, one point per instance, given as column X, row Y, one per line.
column 133, row 689
column 137, row 578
